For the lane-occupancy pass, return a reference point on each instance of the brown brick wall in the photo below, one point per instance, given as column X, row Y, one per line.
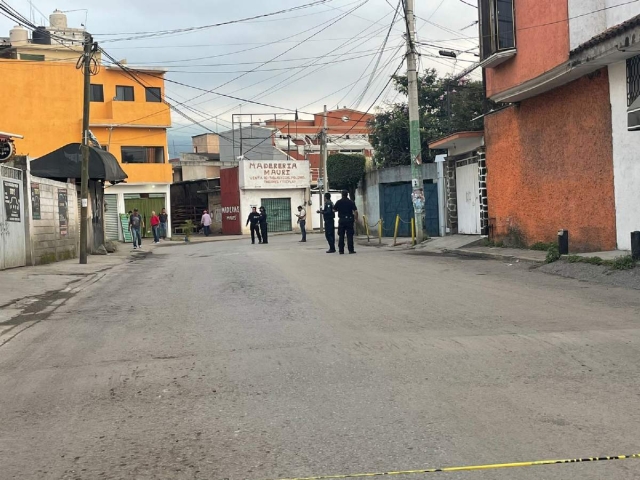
column 550, row 166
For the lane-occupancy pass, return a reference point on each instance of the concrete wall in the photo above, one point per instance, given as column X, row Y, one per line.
column 626, row 159
column 254, row 197
column 542, row 43
column 550, row 166
column 255, row 143
column 46, row 243
column 592, row 17
column 207, row 143
column 368, row 193
column 197, row 172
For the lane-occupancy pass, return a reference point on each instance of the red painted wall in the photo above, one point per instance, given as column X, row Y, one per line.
column 542, row 42
column 550, row 166
column 230, row 201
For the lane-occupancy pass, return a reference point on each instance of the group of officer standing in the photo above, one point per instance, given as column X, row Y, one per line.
column 258, row 227
column 347, row 216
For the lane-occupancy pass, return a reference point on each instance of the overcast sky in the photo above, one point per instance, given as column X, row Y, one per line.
column 349, row 45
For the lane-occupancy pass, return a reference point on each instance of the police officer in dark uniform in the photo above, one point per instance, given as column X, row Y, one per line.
column 329, row 222
column 347, row 215
column 263, row 224
column 254, row 220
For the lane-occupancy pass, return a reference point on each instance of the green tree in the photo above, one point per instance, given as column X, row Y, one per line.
column 446, row 106
column 345, row 172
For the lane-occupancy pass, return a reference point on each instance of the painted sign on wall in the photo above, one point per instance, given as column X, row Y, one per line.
column 63, row 211
column 230, row 201
column 12, row 201
column 274, row 175
column 35, row 201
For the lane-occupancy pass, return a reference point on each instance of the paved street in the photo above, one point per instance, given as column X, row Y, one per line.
column 231, row 361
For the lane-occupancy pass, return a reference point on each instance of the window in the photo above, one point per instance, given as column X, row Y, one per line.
column 497, row 25
column 97, row 93
column 34, row 58
column 633, row 93
column 153, row 94
column 142, row 154
column 124, row 94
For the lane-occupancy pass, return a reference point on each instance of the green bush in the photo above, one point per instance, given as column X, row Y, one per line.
column 553, row 254
column 541, row 246
column 623, row 263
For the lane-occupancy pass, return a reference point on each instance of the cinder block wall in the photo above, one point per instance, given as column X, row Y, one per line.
column 48, row 241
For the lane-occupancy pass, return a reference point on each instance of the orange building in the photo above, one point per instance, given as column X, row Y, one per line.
column 549, row 159
column 44, row 101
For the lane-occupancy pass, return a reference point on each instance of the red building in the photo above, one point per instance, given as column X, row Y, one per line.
column 347, row 131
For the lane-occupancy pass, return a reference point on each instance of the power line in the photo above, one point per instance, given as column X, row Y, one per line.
column 159, row 33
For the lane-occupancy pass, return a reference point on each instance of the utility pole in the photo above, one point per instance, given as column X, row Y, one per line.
column 84, row 181
column 417, row 181
column 325, row 152
column 323, row 160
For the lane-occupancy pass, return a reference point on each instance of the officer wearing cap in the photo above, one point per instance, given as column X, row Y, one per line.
column 347, row 215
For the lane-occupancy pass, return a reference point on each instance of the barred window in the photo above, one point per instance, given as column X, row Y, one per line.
column 633, row 79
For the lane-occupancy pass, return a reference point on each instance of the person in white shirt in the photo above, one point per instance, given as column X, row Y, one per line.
column 302, row 221
column 206, row 223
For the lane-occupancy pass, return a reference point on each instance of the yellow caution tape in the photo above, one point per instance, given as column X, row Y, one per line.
column 469, row 468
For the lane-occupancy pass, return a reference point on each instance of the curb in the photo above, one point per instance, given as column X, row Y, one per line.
column 494, row 256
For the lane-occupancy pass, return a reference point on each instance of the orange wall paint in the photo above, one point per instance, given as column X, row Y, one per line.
column 43, row 102
column 550, row 166
column 542, row 43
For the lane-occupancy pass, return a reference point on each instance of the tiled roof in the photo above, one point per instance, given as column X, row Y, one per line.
column 608, row 34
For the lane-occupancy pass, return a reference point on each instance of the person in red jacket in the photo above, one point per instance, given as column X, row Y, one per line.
column 155, row 226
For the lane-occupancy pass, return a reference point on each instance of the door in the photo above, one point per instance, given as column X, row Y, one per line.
column 468, row 195
column 145, row 206
column 395, row 199
column 13, row 250
column 111, row 219
column 278, row 214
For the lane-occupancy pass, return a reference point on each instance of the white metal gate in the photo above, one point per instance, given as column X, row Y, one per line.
column 111, row 218
column 13, row 250
column 468, row 193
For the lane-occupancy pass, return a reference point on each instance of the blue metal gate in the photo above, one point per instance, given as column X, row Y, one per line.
column 395, row 199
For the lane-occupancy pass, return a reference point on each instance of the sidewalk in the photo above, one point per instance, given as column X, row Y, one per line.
column 29, row 294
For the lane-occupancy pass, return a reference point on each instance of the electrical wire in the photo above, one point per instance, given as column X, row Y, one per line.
column 159, row 33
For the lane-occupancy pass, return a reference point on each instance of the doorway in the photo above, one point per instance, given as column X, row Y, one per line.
column 278, row 214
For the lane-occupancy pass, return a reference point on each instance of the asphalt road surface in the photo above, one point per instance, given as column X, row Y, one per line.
column 235, row 361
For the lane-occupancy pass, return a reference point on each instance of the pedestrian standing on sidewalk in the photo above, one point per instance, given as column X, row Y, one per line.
column 254, row 220
column 155, row 227
column 263, row 225
column 347, row 215
column 206, row 223
column 135, row 224
column 164, row 223
column 302, row 220
column 329, row 222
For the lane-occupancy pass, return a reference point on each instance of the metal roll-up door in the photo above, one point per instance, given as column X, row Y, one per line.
column 111, row 219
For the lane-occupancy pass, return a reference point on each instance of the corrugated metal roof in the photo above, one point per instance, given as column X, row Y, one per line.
column 608, row 34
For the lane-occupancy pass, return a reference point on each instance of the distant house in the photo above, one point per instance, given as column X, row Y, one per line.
column 347, row 132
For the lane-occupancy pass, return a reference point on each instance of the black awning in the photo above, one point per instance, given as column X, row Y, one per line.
column 66, row 162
